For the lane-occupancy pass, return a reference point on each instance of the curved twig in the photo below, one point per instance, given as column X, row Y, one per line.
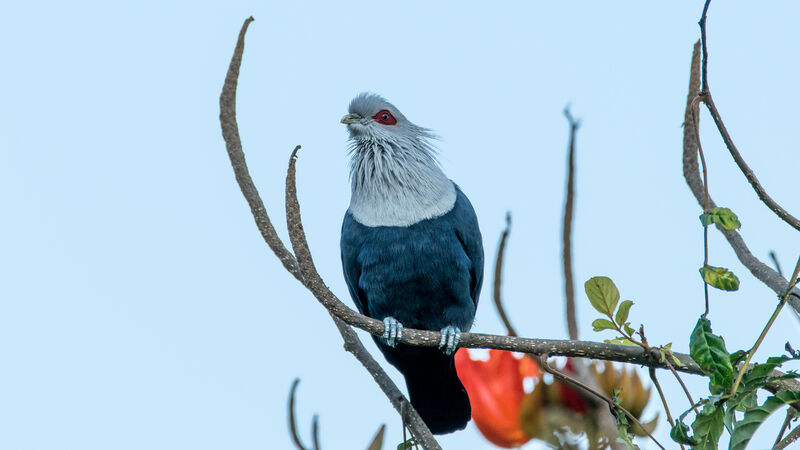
column 498, row 277
column 566, row 234
column 290, row 413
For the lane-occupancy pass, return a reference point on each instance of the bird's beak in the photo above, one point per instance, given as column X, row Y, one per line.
column 350, row 118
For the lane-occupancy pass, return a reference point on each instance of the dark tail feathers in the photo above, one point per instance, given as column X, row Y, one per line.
column 435, row 390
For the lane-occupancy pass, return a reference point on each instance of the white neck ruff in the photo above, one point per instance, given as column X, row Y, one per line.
column 396, row 186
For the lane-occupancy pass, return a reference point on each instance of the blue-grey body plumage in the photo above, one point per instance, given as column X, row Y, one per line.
column 411, row 252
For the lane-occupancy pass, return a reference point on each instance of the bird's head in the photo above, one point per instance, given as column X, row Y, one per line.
column 373, row 119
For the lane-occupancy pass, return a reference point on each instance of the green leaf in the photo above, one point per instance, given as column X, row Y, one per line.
column 602, row 324
column 758, row 376
column 603, row 294
column 754, row 417
column 708, row 350
column 719, row 277
column 628, row 329
column 620, row 341
column 410, row 443
column 680, row 434
column 707, row 428
column 622, row 312
column 722, row 216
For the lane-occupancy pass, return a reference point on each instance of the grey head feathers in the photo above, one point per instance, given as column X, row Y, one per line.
column 395, row 177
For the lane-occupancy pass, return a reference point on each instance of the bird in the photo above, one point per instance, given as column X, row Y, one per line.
column 412, row 253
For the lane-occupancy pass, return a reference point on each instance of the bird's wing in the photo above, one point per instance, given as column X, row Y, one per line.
column 469, row 235
column 351, row 242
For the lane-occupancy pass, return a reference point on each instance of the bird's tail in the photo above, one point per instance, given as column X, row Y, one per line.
column 436, row 392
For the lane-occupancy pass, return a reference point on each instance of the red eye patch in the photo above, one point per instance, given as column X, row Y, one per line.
column 385, row 117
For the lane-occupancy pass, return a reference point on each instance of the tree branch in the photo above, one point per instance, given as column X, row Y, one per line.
column 230, row 133
column 760, row 271
column 712, row 108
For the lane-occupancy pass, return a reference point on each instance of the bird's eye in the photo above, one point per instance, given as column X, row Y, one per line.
column 385, row 117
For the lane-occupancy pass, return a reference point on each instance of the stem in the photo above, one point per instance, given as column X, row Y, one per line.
column 706, row 207
column 678, row 377
column 663, row 399
column 767, row 327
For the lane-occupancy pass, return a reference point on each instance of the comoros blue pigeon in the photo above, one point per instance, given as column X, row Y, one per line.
column 412, row 254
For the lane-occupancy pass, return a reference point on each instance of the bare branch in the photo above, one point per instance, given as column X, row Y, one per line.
column 746, row 170
column 712, row 108
column 791, row 437
column 498, row 277
column 761, row 271
column 569, row 285
column 230, row 133
column 702, row 24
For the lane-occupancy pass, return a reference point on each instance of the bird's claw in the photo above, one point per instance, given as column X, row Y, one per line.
column 450, row 337
column 392, row 331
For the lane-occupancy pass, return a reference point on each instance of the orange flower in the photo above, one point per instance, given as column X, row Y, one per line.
column 495, row 391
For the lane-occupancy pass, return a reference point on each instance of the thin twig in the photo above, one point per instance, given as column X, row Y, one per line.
column 654, row 379
column 763, row 334
column 583, row 387
column 230, row 133
column 774, row 259
column 760, row 271
column 785, row 425
column 569, row 285
column 498, row 277
column 791, row 437
column 290, row 413
column 746, row 170
column 315, row 431
column 706, row 207
column 683, row 385
column 702, row 24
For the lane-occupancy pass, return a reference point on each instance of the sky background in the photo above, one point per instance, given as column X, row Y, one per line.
column 139, row 306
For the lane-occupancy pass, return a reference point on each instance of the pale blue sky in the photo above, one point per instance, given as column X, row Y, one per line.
column 139, row 307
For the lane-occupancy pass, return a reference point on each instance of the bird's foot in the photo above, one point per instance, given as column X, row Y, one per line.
column 392, row 331
column 450, row 337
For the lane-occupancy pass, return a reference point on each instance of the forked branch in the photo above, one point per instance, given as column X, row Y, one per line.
column 230, row 133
